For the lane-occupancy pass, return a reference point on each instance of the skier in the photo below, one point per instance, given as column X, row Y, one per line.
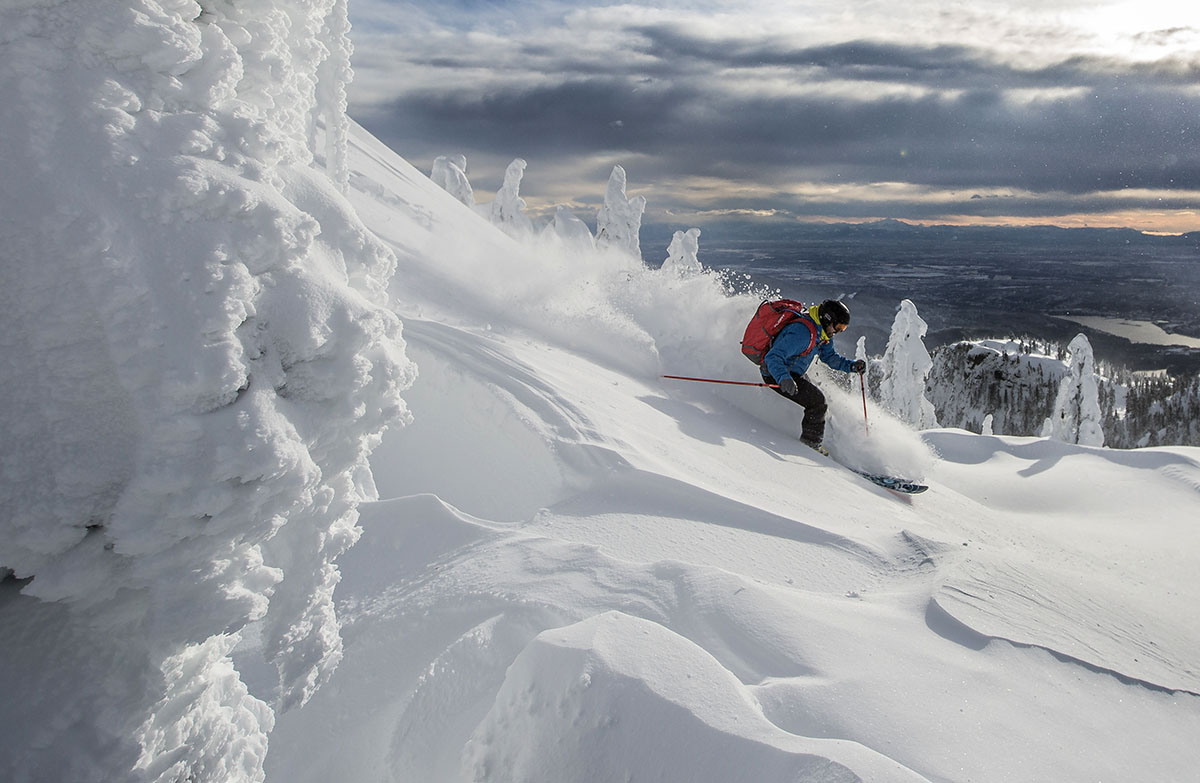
column 791, row 354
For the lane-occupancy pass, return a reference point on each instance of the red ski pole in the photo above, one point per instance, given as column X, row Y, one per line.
column 714, row 380
column 863, row 384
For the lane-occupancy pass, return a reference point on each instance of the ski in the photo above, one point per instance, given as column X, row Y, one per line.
column 895, row 484
column 900, row 485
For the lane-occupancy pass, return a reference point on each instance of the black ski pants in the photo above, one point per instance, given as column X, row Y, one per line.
column 812, row 400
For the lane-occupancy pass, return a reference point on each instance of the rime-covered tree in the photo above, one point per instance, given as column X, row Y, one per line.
column 1018, row 384
column 682, row 253
column 619, row 221
column 181, row 268
column 508, row 208
column 567, row 228
column 906, row 365
column 1077, row 417
column 450, row 172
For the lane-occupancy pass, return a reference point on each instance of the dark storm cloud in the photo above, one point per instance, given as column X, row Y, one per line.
column 856, row 59
column 1112, row 136
column 944, row 66
column 953, row 117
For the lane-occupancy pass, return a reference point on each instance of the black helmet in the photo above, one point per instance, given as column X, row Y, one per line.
column 833, row 312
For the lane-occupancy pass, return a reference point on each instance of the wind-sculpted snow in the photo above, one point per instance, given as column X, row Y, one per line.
column 489, row 569
column 537, row 649
column 1062, row 590
column 595, row 699
column 570, row 230
column 196, row 364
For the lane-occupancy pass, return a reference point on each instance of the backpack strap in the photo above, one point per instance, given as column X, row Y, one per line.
column 812, row 333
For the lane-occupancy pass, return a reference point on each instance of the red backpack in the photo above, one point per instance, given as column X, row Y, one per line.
column 768, row 320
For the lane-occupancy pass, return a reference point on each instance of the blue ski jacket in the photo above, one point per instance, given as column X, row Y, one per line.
column 797, row 344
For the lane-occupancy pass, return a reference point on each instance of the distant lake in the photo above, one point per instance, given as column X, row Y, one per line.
column 1142, row 332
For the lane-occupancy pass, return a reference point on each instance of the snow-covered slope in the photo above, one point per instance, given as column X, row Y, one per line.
column 568, row 568
column 582, row 572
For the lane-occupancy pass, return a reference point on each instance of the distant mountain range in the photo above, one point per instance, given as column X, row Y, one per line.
column 898, row 230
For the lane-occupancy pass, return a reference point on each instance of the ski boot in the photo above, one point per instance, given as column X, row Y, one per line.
column 816, row 446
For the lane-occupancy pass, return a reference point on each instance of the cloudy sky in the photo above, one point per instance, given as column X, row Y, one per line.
column 988, row 111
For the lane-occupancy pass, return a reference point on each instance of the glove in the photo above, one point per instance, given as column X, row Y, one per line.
column 859, row 366
column 788, row 386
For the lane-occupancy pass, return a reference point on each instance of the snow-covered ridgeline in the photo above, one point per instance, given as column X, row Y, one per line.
column 197, row 364
column 1019, row 385
column 618, row 221
column 1019, row 392
column 198, row 358
column 971, row 380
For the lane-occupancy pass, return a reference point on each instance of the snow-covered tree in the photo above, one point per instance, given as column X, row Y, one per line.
column 620, row 219
column 682, row 254
column 212, row 316
column 569, row 229
column 1014, row 382
column 905, row 367
column 1077, row 417
column 450, row 173
column 508, row 208
column 1018, row 383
